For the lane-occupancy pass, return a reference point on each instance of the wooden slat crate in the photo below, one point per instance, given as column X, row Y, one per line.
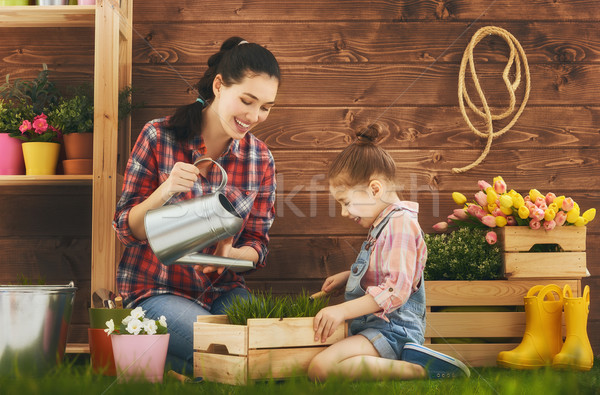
column 484, row 333
column 519, row 263
column 264, row 348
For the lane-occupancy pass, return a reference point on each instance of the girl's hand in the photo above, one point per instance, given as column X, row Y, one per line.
column 326, row 321
column 335, row 284
column 224, row 248
column 182, row 179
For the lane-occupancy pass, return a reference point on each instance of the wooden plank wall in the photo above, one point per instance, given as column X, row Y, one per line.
column 349, row 63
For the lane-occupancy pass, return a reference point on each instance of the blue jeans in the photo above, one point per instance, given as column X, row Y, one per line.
column 181, row 314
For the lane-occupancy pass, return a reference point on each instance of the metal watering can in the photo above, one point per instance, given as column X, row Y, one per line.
column 175, row 232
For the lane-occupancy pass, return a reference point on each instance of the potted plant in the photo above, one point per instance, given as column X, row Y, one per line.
column 12, row 113
column 259, row 337
column 139, row 346
column 74, row 117
column 41, row 145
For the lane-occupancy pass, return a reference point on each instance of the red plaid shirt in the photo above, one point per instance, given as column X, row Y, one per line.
column 251, row 188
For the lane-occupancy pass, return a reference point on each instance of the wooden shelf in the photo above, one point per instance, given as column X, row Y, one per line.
column 77, row 348
column 46, row 16
column 46, row 180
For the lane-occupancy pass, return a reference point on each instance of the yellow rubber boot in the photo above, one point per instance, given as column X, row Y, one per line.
column 542, row 339
column 577, row 352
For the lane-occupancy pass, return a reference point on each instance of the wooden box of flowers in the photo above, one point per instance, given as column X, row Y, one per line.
column 499, row 246
column 260, row 338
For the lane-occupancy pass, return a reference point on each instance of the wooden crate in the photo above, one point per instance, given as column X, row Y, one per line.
column 484, row 333
column 519, row 263
column 264, row 348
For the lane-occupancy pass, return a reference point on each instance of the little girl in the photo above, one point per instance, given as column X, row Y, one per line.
column 385, row 292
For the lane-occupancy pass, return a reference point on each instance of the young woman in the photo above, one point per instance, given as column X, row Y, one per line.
column 235, row 94
column 384, row 288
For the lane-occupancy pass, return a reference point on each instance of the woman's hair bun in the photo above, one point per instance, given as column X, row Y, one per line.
column 369, row 134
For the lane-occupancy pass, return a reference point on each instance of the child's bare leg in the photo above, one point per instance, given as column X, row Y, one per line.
column 355, row 357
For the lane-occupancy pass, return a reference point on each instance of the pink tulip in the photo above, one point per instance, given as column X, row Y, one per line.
column 527, row 198
column 537, row 214
column 530, row 206
column 535, row 224
column 481, row 198
column 500, row 186
column 498, row 213
column 440, row 227
column 549, row 225
column 540, row 200
column 452, row 217
column 489, row 220
column 460, row 213
column 550, row 198
column 476, row 211
column 491, row 237
column 511, row 221
column 483, row 185
column 568, row 204
column 560, row 218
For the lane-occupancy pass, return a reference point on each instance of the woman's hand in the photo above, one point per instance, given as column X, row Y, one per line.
column 182, row 179
column 327, row 320
column 335, row 284
column 224, row 248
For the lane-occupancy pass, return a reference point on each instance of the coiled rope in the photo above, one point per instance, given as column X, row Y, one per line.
column 517, row 56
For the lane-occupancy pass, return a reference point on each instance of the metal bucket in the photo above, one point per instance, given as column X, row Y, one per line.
column 34, row 324
column 176, row 230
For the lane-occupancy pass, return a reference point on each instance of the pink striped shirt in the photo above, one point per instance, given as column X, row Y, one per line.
column 397, row 259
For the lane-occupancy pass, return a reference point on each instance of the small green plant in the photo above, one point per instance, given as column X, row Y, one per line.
column 74, row 115
column 462, row 255
column 40, row 93
column 12, row 114
column 265, row 305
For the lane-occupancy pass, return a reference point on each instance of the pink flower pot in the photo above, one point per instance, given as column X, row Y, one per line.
column 11, row 156
column 140, row 357
column 86, row 2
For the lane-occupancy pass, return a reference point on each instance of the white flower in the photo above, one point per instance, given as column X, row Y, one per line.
column 126, row 320
column 134, row 327
column 110, row 327
column 138, row 312
column 162, row 321
column 149, row 326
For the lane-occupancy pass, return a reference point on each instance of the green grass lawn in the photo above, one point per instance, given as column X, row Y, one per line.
column 75, row 377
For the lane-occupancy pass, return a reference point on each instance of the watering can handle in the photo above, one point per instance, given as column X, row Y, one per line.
column 223, row 177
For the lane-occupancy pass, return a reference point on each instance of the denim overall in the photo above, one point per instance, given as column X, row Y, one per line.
column 407, row 323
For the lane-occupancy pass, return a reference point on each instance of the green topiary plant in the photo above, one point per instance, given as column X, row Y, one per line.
column 12, row 114
column 265, row 305
column 74, row 115
column 462, row 255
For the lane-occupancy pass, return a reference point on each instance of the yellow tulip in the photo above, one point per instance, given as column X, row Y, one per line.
column 549, row 214
column 500, row 221
column 580, row 221
column 506, row 201
column 518, row 201
column 512, row 193
column 589, row 214
column 534, row 194
column 523, row 212
column 492, row 196
column 554, row 207
column 506, row 210
column 558, row 201
column 573, row 215
column 491, row 207
column 459, row 198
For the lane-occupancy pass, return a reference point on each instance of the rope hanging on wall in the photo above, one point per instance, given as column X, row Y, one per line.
column 517, row 56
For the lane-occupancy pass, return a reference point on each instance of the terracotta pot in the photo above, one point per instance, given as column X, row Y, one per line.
column 140, row 357
column 40, row 158
column 77, row 166
column 11, row 155
column 79, row 145
column 101, row 353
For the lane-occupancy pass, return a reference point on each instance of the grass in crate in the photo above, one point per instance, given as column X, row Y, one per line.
column 266, row 305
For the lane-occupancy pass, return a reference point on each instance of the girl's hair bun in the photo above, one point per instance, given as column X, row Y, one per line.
column 369, row 134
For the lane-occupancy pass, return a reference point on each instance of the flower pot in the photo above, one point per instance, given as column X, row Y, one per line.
column 140, row 357
column 77, row 166
column 101, row 353
column 40, row 158
column 86, row 2
column 79, row 145
column 14, row 2
column 11, row 155
column 52, row 2
column 99, row 316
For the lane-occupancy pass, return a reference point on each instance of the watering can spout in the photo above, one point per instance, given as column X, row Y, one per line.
column 176, row 232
